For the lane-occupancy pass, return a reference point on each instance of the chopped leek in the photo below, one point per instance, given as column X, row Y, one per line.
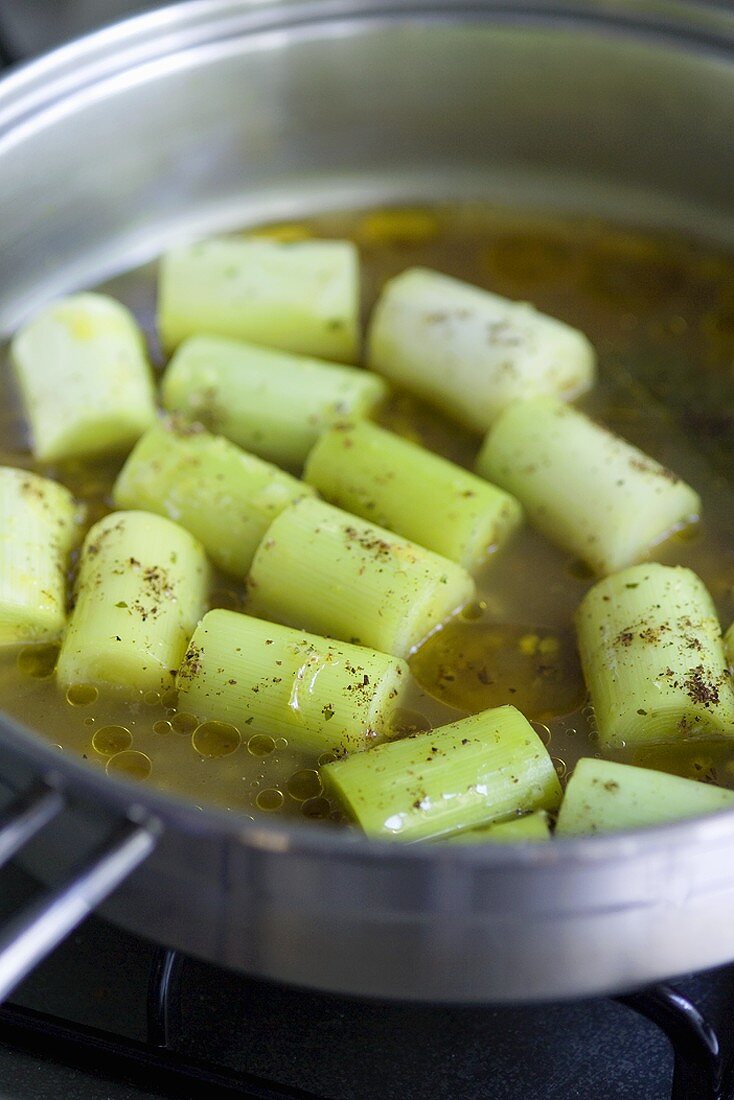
column 268, row 679
column 533, row 826
column 390, row 481
column 300, row 296
column 653, row 659
column 142, row 587
column 84, row 378
column 323, row 570
column 604, row 797
column 38, row 521
column 222, row 495
column 270, row 402
column 471, row 352
column 588, row 490
column 480, row 769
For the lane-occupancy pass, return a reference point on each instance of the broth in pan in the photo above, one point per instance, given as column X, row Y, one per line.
column 659, row 311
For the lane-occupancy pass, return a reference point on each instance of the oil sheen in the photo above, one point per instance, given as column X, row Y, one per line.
column 660, row 311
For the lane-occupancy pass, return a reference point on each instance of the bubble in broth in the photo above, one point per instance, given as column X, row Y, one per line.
column 110, row 740
column 212, row 739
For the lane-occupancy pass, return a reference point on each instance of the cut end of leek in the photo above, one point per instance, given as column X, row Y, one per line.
column 470, row 352
column 586, row 489
column 299, row 296
column 272, row 403
column 322, row 569
column 516, row 830
column 318, row 694
column 473, row 772
column 84, row 378
column 605, row 797
column 142, row 587
column 39, row 520
column 222, row 495
column 653, row 659
column 383, row 478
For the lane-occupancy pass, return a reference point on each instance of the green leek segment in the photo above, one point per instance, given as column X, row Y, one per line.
column 298, row 296
column 472, row 772
column 324, row 570
column 522, row 827
column 263, row 678
column 586, row 489
column 222, row 495
column 653, row 659
column 604, row 797
column 84, row 378
column 270, row 402
column 470, row 352
column 411, row 491
column 39, row 526
column 142, row 587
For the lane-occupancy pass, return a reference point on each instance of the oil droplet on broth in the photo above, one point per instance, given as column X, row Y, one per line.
column 473, row 611
column 560, row 766
column 213, row 739
column 152, row 698
column 169, row 698
column 81, row 695
column 163, row 727
column 183, row 722
column 326, row 758
column 38, row 661
column 477, row 665
column 281, row 743
column 260, row 744
column 110, row 740
column 304, row 784
column 131, row 764
column 271, row 799
column 542, row 731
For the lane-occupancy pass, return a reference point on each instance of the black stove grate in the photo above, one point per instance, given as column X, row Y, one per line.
column 700, row 1071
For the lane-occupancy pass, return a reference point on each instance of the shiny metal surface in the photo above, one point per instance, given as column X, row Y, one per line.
column 214, row 113
column 34, row 932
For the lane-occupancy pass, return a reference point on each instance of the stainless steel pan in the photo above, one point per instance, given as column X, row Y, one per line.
column 211, row 114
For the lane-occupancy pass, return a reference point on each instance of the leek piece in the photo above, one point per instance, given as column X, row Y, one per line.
column 222, row 495
column 323, row 570
column 84, row 378
column 533, row 826
column 390, row 481
column 729, row 645
column 603, row 797
column 39, row 524
column 142, row 587
column 268, row 679
column 586, row 489
column 480, row 769
column 653, row 659
column 270, row 402
column 471, row 352
column 300, row 296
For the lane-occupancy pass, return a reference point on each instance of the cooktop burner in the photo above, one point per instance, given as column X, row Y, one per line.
column 113, row 1017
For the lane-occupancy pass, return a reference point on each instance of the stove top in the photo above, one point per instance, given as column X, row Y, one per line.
column 112, row 1017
